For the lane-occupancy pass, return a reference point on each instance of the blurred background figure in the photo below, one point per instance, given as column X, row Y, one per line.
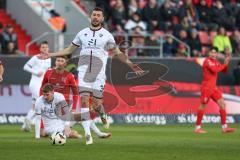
column 9, row 40
column 236, row 73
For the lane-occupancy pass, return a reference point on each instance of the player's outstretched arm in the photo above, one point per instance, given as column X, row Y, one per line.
column 69, row 50
column 1, row 72
column 124, row 58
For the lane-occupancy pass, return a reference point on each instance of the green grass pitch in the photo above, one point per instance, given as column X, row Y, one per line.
column 171, row 142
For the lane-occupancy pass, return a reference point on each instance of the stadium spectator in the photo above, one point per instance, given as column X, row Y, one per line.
column 181, row 50
column 152, row 40
column 189, row 10
column 183, row 36
column 135, row 22
column 166, row 14
column 133, row 7
column 235, row 41
column 184, row 25
column 221, row 40
column 169, row 47
column 236, row 73
column 221, row 17
column 150, row 15
column 119, row 15
column 205, row 16
column 8, row 39
column 195, row 44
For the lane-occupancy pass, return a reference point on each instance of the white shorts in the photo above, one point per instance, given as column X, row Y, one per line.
column 94, row 86
column 56, row 125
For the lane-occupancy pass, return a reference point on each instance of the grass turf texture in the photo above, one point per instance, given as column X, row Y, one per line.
column 128, row 142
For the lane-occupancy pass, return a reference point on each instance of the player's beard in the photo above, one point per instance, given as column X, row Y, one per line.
column 96, row 25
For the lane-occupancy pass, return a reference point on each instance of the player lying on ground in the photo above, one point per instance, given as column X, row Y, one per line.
column 65, row 83
column 45, row 109
column 95, row 42
column 211, row 68
column 37, row 67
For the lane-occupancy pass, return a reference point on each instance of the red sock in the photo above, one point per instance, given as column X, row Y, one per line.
column 42, row 125
column 223, row 115
column 200, row 114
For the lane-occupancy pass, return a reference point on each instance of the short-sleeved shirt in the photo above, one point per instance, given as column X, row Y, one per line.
column 48, row 109
column 94, row 46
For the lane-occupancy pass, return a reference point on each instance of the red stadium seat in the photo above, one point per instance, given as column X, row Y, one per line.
column 204, row 37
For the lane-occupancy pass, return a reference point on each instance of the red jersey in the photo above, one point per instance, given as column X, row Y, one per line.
column 62, row 82
column 211, row 68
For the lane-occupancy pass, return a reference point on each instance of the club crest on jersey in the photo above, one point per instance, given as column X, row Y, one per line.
column 100, row 35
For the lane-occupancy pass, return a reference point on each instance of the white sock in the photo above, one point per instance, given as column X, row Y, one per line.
column 224, row 126
column 198, row 127
column 95, row 128
column 86, row 122
column 30, row 114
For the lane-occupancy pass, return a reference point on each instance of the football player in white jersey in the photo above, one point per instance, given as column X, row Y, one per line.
column 95, row 42
column 37, row 67
column 46, row 108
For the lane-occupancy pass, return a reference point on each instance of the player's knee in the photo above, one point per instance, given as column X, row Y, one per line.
column 85, row 102
column 97, row 104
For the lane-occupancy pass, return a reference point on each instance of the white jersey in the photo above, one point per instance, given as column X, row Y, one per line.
column 35, row 66
column 94, row 46
column 47, row 110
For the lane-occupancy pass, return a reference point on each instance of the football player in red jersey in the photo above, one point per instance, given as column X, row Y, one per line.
column 64, row 82
column 1, row 71
column 211, row 67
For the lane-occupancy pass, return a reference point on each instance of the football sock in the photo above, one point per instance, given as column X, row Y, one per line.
column 86, row 120
column 223, row 116
column 101, row 111
column 200, row 114
column 94, row 128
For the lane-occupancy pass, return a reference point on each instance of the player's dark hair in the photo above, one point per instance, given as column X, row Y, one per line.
column 214, row 48
column 98, row 9
column 64, row 57
column 44, row 42
column 47, row 88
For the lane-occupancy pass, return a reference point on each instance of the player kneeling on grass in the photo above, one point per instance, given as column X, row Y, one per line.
column 45, row 108
column 211, row 68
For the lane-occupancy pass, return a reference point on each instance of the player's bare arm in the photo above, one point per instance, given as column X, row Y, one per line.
column 67, row 51
column 124, row 58
column 1, row 72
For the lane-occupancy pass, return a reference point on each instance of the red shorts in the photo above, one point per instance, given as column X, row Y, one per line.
column 207, row 94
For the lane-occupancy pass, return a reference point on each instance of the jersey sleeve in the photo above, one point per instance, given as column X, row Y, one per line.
column 29, row 66
column 74, row 88
column 77, row 41
column 216, row 68
column 38, row 109
column 111, row 44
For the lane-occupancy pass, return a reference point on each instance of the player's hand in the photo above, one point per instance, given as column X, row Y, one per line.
column 136, row 69
column 1, row 78
column 227, row 60
column 43, row 56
